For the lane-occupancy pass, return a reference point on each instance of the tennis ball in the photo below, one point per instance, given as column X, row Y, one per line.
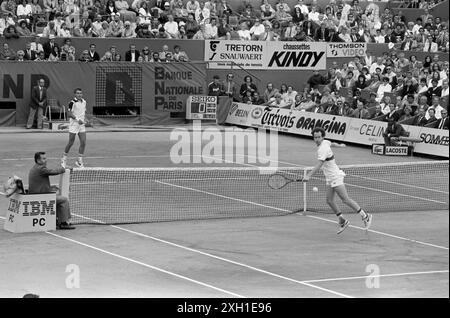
column 315, row 189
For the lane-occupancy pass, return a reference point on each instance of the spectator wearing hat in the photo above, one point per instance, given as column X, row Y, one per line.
column 128, row 31
column 216, row 88
column 132, row 54
column 51, row 47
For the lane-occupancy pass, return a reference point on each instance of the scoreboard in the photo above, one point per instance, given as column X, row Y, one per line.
column 201, row 107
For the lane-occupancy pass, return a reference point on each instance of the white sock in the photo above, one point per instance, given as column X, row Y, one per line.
column 362, row 213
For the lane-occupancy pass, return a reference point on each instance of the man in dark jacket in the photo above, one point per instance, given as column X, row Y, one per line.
column 38, row 103
column 39, row 182
column 392, row 132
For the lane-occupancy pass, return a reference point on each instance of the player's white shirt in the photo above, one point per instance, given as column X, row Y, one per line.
column 78, row 109
column 330, row 168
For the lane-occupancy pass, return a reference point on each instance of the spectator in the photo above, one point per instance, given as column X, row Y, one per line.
column 202, row 13
column 420, row 119
column 132, row 54
column 116, row 26
column 316, row 79
column 39, row 182
column 40, row 57
column 171, row 27
column 437, row 107
column 407, row 114
column 360, row 111
column 244, row 32
column 269, row 92
column 145, row 54
column 10, row 32
column 443, row 123
column 277, row 101
column 37, row 104
column 51, row 48
column 444, row 91
column 431, row 116
column 50, row 29
column 393, row 114
column 69, row 50
column 128, row 31
column 178, row 55
column 257, row 100
column 29, row 54
column 434, row 90
column 163, row 55
column 84, row 57
column 384, row 87
column 123, row 7
column 258, row 29
column 392, row 133
column 377, row 113
column 248, row 85
column 93, row 55
column 211, row 29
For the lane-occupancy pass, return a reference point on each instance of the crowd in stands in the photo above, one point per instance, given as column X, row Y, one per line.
column 338, row 21
column 384, row 88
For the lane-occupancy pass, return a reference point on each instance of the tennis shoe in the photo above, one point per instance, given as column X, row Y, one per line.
column 343, row 226
column 79, row 164
column 367, row 221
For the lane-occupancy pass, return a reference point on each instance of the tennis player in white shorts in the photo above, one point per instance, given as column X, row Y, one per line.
column 77, row 126
column 334, row 178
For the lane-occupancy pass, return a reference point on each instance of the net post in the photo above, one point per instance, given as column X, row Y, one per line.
column 304, row 192
column 64, row 183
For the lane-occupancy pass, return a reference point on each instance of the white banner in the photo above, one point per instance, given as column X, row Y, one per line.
column 221, row 54
column 354, row 130
column 366, row 132
column 434, row 141
column 346, row 49
column 296, row 55
column 285, row 120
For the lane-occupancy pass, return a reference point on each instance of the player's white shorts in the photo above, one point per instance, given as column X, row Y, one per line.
column 336, row 181
column 75, row 128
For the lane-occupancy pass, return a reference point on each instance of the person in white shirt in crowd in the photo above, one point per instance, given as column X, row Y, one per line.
column 278, row 101
column 384, row 87
column 379, row 36
column 290, row 95
column 314, row 15
column 171, row 27
column 244, row 32
column 36, row 45
column 444, row 88
column 202, row 13
column 437, row 108
column 257, row 29
column 211, row 30
column 378, row 63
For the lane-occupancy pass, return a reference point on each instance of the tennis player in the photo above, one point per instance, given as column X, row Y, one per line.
column 77, row 126
column 334, row 180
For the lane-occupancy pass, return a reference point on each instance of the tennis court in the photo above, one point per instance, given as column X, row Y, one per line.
column 271, row 252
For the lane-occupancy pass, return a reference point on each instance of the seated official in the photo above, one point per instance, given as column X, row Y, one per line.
column 39, row 182
column 392, row 133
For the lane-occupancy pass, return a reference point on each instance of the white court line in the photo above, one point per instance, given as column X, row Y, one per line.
column 109, row 157
column 191, row 250
column 362, row 187
column 143, row 264
column 378, row 232
column 219, row 258
column 311, row 216
column 361, row 177
column 375, row 276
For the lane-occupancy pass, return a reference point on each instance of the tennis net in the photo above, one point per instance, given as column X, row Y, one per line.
column 135, row 195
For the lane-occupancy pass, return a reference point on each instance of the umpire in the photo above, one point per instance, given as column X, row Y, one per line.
column 39, row 182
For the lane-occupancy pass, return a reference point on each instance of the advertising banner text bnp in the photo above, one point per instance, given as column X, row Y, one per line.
column 270, row 55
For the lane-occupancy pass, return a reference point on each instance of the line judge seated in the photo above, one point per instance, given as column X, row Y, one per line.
column 39, row 182
column 392, row 133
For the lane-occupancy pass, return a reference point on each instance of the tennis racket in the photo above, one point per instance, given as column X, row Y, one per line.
column 279, row 181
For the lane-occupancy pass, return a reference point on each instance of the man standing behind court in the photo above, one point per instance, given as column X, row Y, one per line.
column 38, row 103
column 39, row 182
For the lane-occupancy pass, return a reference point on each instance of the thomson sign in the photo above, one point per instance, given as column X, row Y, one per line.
column 346, row 49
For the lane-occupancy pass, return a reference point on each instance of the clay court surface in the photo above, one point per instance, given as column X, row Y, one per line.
column 406, row 253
